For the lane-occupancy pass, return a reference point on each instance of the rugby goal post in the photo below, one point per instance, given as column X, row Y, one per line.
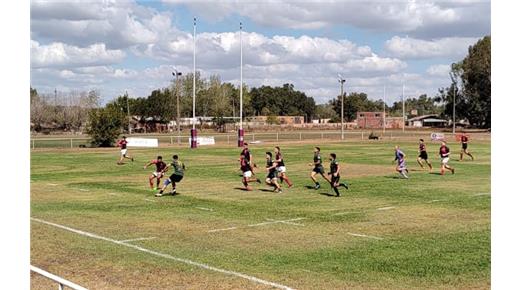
column 61, row 282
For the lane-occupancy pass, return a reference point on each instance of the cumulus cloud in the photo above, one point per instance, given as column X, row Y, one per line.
column 59, row 54
column 412, row 48
column 418, row 18
column 439, row 70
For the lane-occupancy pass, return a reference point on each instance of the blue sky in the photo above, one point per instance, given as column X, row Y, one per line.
column 121, row 46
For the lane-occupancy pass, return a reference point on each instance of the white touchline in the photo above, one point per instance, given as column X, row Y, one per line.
column 386, row 208
column 137, row 239
column 166, row 256
column 483, row 193
column 81, row 189
column 52, row 184
column 364, row 236
column 262, row 224
column 112, row 193
column 204, row 208
column 225, row 229
column 149, row 200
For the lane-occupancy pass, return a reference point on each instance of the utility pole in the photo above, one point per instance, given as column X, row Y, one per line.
column 384, row 109
column 454, row 94
column 127, row 111
column 404, row 121
column 342, row 81
column 193, row 130
column 177, row 74
column 241, row 129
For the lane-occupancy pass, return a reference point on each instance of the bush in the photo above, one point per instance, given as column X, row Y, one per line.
column 104, row 126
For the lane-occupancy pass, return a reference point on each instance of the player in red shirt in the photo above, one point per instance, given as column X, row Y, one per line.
column 248, row 156
column 423, row 155
column 247, row 174
column 281, row 166
column 444, row 152
column 122, row 144
column 158, row 173
column 464, row 141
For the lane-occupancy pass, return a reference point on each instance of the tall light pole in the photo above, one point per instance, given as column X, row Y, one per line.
column 177, row 74
column 241, row 129
column 193, row 130
column 341, row 80
column 128, row 111
column 404, row 121
column 454, row 95
column 384, row 109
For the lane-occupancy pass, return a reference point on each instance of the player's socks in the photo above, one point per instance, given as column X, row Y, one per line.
column 344, row 185
column 317, row 185
column 336, row 190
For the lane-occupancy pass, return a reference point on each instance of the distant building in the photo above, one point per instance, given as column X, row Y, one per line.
column 282, row 120
column 375, row 120
column 431, row 120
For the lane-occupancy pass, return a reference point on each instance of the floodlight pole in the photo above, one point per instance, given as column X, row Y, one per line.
column 127, row 111
column 177, row 74
column 454, row 94
column 384, row 109
column 404, row 122
column 241, row 129
column 342, row 81
column 193, row 130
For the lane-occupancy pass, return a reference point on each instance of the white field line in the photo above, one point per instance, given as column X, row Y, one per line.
column 435, row 200
column 347, row 212
column 204, row 208
column 166, row 256
column 262, row 224
column 364, row 236
column 151, row 200
column 52, row 184
column 481, row 194
column 385, row 208
column 112, row 193
column 82, row 189
column 137, row 239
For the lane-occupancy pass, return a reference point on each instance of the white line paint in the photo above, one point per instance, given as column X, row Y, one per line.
column 204, row 208
column 112, row 193
column 166, row 256
column 82, row 189
column 386, row 208
column 435, row 200
column 137, row 239
column 147, row 199
column 52, row 184
column 225, row 229
column 347, row 212
column 364, row 236
column 481, row 194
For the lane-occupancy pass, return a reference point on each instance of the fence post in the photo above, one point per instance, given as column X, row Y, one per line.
column 171, row 140
column 300, row 136
column 362, row 135
column 276, row 136
column 228, row 139
column 253, row 136
column 71, row 143
column 33, row 143
column 60, row 286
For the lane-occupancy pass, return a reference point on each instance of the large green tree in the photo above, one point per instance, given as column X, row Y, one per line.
column 104, row 125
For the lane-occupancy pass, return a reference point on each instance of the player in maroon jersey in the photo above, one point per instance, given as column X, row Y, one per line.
column 281, row 166
column 423, row 155
column 444, row 152
column 248, row 156
column 158, row 173
column 247, row 174
column 464, row 150
column 122, row 144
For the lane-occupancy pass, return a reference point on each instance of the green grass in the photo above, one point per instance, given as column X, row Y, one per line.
column 435, row 234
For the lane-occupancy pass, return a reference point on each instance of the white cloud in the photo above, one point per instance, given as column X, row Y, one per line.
column 412, row 48
column 64, row 55
column 439, row 70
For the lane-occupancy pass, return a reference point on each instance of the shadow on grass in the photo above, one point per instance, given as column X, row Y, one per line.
column 309, row 187
column 241, row 188
column 266, row 190
column 328, row 194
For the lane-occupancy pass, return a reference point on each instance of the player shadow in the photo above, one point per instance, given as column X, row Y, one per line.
column 435, row 173
column 394, row 177
column 241, row 188
column 327, row 194
column 266, row 190
column 309, row 187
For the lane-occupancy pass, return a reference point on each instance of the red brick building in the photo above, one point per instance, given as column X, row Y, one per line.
column 374, row 120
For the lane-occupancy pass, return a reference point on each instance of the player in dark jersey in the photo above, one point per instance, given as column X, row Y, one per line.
column 272, row 174
column 401, row 163
column 444, row 152
column 423, row 155
column 248, row 156
column 318, row 168
column 281, row 166
column 464, row 150
column 122, row 144
column 158, row 173
column 245, row 167
column 176, row 177
column 334, row 174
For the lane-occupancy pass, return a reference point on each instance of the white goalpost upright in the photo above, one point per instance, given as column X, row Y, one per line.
column 241, row 129
column 193, row 129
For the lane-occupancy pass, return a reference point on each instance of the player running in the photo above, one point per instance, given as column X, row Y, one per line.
column 423, row 155
column 246, row 169
column 318, row 168
column 176, row 177
column 464, row 141
column 401, row 163
column 158, row 173
column 272, row 173
column 334, row 174
column 281, row 166
column 248, row 156
column 122, row 144
column 444, row 152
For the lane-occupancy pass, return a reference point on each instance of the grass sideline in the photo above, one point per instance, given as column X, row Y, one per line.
column 434, row 230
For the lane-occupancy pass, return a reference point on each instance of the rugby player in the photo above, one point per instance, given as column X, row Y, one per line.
column 272, row 178
column 158, row 173
column 464, row 150
column 246, row 172
column 122, row 144
column 334, row 174
column 176, row 177
column 444, row 152
column 318, row 168
column 281, row 166
column 401, row 164
column 423, row 155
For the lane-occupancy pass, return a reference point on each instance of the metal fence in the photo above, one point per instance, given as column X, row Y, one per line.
column 61, row 282
column 222, row 139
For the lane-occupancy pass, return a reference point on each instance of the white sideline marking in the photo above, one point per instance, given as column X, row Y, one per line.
column 147, row 199
column 82, row 189
column 137, row 239
column 347, row 212
column 112, row 193
column 481, row 194
column 204, row 208
column 166, row 256
column 270, row 221
column 386, row 208
column 364, row 236
column 52, row 184
column 435, row 200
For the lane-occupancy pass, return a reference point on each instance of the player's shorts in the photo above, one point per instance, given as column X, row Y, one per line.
column 334, row 179
column 445, row 160
column 248, row 174
column 423, row 155
column 175, row 178
column 281, row 169
column 123, row 152
column 272, row 175
column 269, row 179
column 157, row 174
column 319, row 169
column 464, row 146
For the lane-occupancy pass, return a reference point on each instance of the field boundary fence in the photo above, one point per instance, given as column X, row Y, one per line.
column 260, row 137
column 61, row 282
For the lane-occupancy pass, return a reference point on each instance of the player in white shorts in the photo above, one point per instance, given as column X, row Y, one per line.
column 122, row 144
column 247, row 173
column 281, row 166
column 444, row 152
column 158, row 173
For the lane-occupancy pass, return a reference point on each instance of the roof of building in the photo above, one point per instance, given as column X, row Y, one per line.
column 419, row 118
